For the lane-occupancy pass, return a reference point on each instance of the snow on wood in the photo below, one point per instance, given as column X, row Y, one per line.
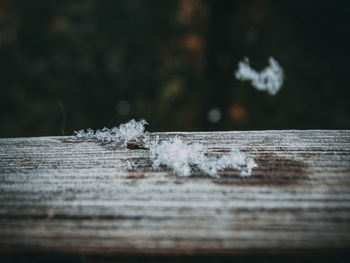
column 176, row 154
column 66, row 195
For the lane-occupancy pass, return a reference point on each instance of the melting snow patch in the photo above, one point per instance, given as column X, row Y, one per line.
column 270, row 79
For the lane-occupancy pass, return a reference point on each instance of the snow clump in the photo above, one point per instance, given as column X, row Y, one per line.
column 123, row 134
column 270, row 79
column 182, row 157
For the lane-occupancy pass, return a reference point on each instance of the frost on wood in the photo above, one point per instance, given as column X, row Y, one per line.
column 182, row 157
column 174, row 153
column 130, row 165
column 117, row 135
column 270, row 79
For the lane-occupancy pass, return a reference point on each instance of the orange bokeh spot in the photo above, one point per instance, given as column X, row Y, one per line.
column 237, row 112
column 193, row 43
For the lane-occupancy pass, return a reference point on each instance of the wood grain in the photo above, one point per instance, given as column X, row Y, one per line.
column 60, row 194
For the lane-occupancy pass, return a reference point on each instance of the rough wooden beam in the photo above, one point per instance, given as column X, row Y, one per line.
column 65, row 195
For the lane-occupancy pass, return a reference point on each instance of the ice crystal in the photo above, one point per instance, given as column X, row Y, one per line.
column 131, row 130
column 117, row 135
column 270, row 79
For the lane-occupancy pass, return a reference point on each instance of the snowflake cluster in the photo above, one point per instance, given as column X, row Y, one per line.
column 183, row 157
column 270, row 79
column 118, row 135
column 178, row 155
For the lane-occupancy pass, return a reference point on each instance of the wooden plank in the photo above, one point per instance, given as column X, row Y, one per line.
column 63, row 195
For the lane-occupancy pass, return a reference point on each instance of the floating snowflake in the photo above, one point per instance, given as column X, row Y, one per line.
column 270, row 79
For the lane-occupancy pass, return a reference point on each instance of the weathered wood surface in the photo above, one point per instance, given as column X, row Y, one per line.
column 63, row 195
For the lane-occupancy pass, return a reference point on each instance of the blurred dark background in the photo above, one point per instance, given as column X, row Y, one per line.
column 67, row 65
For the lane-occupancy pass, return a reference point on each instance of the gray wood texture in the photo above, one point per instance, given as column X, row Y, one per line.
column 66, row 195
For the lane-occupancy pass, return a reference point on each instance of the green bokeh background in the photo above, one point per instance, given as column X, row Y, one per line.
column 67, row 65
